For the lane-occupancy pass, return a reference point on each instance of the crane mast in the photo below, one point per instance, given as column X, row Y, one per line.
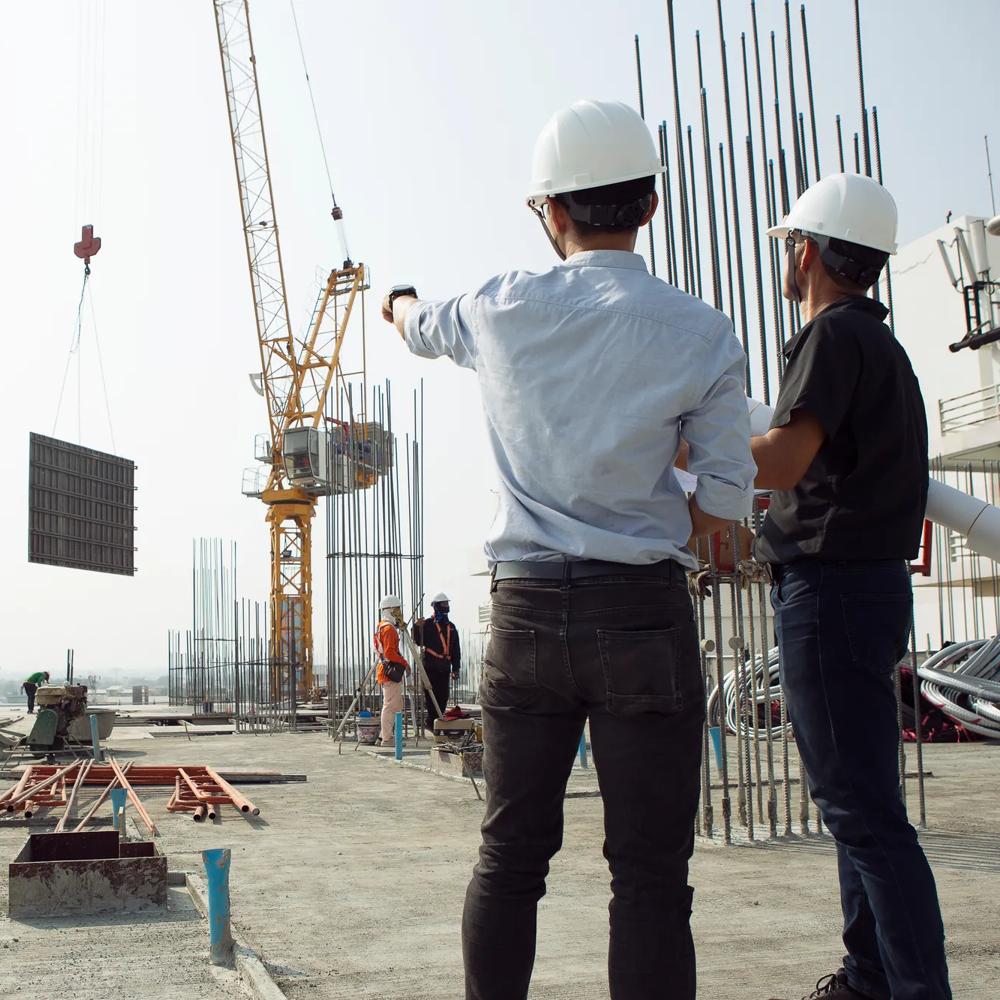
column 295, row 376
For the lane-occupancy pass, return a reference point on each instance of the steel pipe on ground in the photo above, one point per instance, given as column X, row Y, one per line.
column 238, row 798
column 139, row 807
column 100, row 800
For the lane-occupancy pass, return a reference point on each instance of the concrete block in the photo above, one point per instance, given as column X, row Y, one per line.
column 462, row 764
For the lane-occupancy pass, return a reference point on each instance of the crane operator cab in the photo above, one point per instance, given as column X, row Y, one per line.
column 317, row 462
column 305, row 453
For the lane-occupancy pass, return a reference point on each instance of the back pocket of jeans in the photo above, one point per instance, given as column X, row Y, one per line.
column 641, row 671
column 509, row 666
column 877, row 628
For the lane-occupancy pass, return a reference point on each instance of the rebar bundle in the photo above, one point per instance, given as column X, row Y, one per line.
column 728, row 182
column 374, row 542
column 200, row 659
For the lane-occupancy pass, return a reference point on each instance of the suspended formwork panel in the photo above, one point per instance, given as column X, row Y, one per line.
column 81, row 507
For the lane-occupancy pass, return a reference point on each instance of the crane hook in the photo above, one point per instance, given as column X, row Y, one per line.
column 87, row 247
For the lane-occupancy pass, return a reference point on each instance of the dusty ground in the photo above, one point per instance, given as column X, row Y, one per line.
column 369, row 860
column 152, row 957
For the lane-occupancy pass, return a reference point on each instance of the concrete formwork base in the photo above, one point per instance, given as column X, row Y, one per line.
column 62, row 874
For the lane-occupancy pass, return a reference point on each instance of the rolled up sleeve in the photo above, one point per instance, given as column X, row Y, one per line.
column 717, row 430
column 443, row 330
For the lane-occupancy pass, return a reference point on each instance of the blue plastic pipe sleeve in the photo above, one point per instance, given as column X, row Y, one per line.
column 118, row 799
column 95, row 739
column 399, row 736
column 219, row 929
column 583, row 751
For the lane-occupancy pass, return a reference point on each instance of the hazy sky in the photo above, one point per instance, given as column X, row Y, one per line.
column 114, row 114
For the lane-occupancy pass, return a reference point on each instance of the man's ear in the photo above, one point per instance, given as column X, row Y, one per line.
column 810, row 256
column 558, row 216
column 652, row 209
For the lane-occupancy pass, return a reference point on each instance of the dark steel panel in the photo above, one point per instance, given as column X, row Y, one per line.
column 81, row 507
column 62, row 874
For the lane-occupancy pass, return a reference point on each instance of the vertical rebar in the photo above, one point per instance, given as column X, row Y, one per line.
column 696, row 241
column 861, row 90
column 734, row 198
column 670, row 246
column 793, row 110
column 642, row 114
column 729, row 252
column 713, row 234
column 809, row 92
column 888, row 263
column 681, row 173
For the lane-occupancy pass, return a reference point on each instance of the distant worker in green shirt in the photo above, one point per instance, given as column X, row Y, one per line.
column 31, row 685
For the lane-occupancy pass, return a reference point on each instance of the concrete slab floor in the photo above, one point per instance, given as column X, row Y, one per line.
column 352, row 885
column 138, row 957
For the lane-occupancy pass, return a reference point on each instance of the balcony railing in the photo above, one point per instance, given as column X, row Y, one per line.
column 970, row 409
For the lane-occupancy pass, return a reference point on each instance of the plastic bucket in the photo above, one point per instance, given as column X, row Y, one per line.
column 368, row 728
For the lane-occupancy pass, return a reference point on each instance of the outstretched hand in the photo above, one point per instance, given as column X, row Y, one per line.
column 387, row 310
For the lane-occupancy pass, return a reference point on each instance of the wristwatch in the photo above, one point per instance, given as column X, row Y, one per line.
column 397, row 290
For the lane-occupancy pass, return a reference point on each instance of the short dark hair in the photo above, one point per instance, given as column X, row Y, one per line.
column 610, row 208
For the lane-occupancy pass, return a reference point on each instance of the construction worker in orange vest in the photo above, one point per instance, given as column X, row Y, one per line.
column 392, row 665
column 442, row 657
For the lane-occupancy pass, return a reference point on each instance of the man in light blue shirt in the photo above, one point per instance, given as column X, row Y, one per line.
column 592, row 374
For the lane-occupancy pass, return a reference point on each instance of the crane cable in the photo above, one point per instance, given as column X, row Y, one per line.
column 75, row 350
column 88, row 189
column 74, row 347
column 336, row 212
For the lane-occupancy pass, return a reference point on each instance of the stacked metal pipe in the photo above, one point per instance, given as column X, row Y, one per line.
column 751, row 695
column 963, row 681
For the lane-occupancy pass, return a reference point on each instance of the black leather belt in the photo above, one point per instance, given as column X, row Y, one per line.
column 667, row 569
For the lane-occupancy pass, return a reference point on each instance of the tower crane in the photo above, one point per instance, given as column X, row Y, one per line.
column 304, row 456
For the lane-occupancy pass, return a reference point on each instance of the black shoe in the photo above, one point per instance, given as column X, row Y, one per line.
column 834, row 985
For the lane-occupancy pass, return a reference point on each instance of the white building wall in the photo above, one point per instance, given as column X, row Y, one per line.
column 929, row 315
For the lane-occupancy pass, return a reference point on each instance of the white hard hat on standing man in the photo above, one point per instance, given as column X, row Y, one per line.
column 593, row 144
column 852, row 220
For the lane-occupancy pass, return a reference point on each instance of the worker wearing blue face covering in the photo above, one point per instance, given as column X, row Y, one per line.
column 442, row 654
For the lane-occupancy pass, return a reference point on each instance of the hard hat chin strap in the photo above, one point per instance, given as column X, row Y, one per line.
column 541, row 218
column 792, row 284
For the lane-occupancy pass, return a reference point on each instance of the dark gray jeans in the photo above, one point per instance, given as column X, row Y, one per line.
column 623, row 652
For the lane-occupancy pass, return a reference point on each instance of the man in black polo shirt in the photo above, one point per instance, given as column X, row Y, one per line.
column 846, row 457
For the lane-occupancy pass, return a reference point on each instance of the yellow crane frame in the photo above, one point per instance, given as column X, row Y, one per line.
column 295, row 381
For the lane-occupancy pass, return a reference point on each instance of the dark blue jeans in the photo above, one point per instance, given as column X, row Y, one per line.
column 622, row 652
column 842, row 628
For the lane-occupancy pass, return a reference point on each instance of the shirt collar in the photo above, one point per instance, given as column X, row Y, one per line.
column 607, row 258
column 862, row 302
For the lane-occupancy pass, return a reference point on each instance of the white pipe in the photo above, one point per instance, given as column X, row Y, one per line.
column 963, row 252
column 980, row 258
column 978, row 520
column 944, row 256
